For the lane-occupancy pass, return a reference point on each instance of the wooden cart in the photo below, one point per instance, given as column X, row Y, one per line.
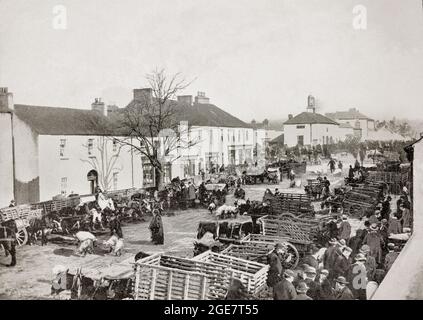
column 21, row 215
column 252, row 274
column 256, row 247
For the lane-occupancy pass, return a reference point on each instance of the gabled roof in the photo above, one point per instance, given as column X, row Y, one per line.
column 204, row 115
column 384, row 134
column 351, row 114
column 310, row 118
column 278, row 140
column 63, row 121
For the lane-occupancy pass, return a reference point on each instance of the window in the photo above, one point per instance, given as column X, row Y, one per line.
column 300, row 127
column 115, row 181
column 148, row 176
column 239, row 135
column 300, row 140
column 90, row 146
column 199, row 135
column 63, row 186
column 211, row 136
column 221, row 135
column 327, row 129
column 246, row 135
column 115, row 143
column 62, row 147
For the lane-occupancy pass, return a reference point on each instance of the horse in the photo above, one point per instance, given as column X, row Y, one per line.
column 8, row 232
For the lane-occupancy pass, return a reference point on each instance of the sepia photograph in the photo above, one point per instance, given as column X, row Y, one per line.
column 217, row 151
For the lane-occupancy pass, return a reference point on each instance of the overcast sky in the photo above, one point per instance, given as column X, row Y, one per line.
column 254, row 59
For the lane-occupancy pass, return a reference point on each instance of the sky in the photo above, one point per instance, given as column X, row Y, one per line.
column 255, row 59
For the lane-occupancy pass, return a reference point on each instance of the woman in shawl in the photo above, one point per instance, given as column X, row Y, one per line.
column 156, row 228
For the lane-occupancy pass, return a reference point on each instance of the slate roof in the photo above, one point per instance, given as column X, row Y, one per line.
column 310, row 118
column 278, row 140
column 205, row 115
column 72, row 121
column 351, row 114
column 63, row 121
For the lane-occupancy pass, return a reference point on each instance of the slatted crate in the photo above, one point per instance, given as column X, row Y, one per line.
column 250, row 251
column 295, row 232
column 252, row 274
column 22, row 212
column 185, row 278
column 290, row 202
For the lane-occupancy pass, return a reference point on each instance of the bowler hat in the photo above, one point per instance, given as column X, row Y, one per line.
column 280, row 246
column 341, row 279
column 373, row 227
column 391, row 245
column 302, row 287
column 324, row 271
column 310, row 269
column 342, row 242
column 360, row 257
column 289, row 273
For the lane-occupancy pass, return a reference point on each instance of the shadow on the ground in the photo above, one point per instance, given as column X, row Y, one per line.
column 141, row 242
column 64, row 252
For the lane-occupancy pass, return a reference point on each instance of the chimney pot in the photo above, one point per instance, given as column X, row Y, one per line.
column 290, row 116
column 201, row 98
column 185, row 99
column 6, row 100
column 98, row 106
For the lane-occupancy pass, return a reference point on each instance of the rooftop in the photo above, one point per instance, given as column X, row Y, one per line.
column 310, row 118
column 351, row 114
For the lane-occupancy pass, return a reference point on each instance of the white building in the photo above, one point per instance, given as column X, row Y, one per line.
column 48, row 151
column 353, row 117
column 310, row 128
column 219, row 137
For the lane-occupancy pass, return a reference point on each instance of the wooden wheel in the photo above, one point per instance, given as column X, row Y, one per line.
column 295, row 257
column 21, row 237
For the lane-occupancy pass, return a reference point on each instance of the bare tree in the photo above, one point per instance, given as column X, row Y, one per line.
column 104, row 161
column 152, row 122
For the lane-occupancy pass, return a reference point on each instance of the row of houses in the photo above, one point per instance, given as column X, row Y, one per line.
column 51, row 151
column 310, row 128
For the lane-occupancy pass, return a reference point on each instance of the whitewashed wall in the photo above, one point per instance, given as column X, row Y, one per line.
column 73, row 165
column 6, row 160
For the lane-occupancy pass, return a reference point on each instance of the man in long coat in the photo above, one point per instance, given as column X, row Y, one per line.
column 370, row 262
column 329, row 255
column 342, row 292
column 284, row 289
column 374, row 240
column 274, row 260
column 344, row 231
column 342, row 263
column 156, row 228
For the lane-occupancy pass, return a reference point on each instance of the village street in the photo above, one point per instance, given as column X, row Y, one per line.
column 31, row 278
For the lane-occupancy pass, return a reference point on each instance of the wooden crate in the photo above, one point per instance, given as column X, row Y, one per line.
column 22, row 212
column 295, row 232
column 185, row 278
column 290, row 202
column 252, row 274
column 252, row 251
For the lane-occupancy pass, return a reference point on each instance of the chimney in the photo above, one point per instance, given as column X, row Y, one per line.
column 98, row 106
column 290, row 116
column 143, row 95
column 201, row 98
column 111, row 109
column 185, row 100
column 6, row 100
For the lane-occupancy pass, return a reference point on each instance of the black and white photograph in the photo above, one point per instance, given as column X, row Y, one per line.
column 218, row 151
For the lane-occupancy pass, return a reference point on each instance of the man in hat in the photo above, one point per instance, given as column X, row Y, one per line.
column 342, row 292
column 329, row 255
column 357, row 276
column 386, row 208
column 390, row 257
column 407, row 218
column 332, row 227
column 342, row 264
column 374, row 240
column 326, row 290
column 284, row 289
column 310, row 280
column 370, row 263
column 275, row 260
column 277, row 192
column 355, row 241
column 344, row 231
column 302, row 289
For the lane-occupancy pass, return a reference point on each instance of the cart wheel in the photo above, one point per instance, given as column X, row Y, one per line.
column 356, row 211
column 21, row 237
column 295, row 257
